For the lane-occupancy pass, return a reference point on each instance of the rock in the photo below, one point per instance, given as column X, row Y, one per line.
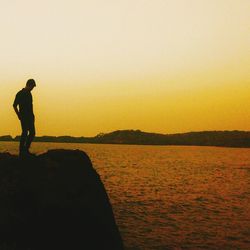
column 54, row 201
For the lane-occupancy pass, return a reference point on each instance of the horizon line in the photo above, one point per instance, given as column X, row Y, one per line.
column 134, row 130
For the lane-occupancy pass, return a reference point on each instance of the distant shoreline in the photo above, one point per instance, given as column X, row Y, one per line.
column 239, row 139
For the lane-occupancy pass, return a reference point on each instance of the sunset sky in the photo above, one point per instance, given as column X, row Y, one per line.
column 162, row 66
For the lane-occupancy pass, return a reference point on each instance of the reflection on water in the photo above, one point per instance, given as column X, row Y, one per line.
column 173, row 197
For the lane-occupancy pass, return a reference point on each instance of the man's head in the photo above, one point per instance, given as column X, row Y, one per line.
column 30, row 84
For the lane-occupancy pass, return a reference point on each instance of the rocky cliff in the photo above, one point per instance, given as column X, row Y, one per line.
column 54, row 201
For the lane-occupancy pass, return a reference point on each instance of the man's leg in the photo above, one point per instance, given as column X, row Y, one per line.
column 31, row 135
column 23, row 139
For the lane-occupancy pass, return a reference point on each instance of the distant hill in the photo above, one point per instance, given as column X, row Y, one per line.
column 203, row 138
column 6, row 138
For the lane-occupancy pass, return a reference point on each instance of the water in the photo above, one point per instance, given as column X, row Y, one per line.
column 173, row 197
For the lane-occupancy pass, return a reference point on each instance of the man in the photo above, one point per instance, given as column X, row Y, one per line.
column 26, row 116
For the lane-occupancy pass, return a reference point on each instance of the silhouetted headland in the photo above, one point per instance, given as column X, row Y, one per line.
column 204, row 138
column 54, row 201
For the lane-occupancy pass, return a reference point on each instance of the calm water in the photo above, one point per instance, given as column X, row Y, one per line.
column 173, row 197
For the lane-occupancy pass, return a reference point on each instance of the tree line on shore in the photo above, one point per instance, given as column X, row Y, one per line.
column 204, row 138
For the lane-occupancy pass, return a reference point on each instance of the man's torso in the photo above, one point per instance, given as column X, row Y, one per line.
column 25, row 102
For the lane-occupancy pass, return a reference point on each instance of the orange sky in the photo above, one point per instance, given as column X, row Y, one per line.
column 159, row 66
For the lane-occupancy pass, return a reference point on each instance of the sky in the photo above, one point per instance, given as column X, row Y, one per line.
column 166, row 66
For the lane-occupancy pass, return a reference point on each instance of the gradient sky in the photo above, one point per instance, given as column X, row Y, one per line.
column 157, row 65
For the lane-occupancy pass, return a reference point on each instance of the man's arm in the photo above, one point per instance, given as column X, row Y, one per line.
column 15, row 104
column 17, row 111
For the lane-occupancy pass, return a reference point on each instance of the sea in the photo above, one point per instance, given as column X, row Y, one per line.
column 172, row 197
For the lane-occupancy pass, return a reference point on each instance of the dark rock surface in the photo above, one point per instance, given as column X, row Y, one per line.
column 54, row 201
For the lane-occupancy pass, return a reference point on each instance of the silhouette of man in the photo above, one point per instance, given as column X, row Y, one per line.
column 26, row 116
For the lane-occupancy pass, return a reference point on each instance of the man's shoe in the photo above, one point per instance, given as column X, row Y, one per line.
column 22, row 154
